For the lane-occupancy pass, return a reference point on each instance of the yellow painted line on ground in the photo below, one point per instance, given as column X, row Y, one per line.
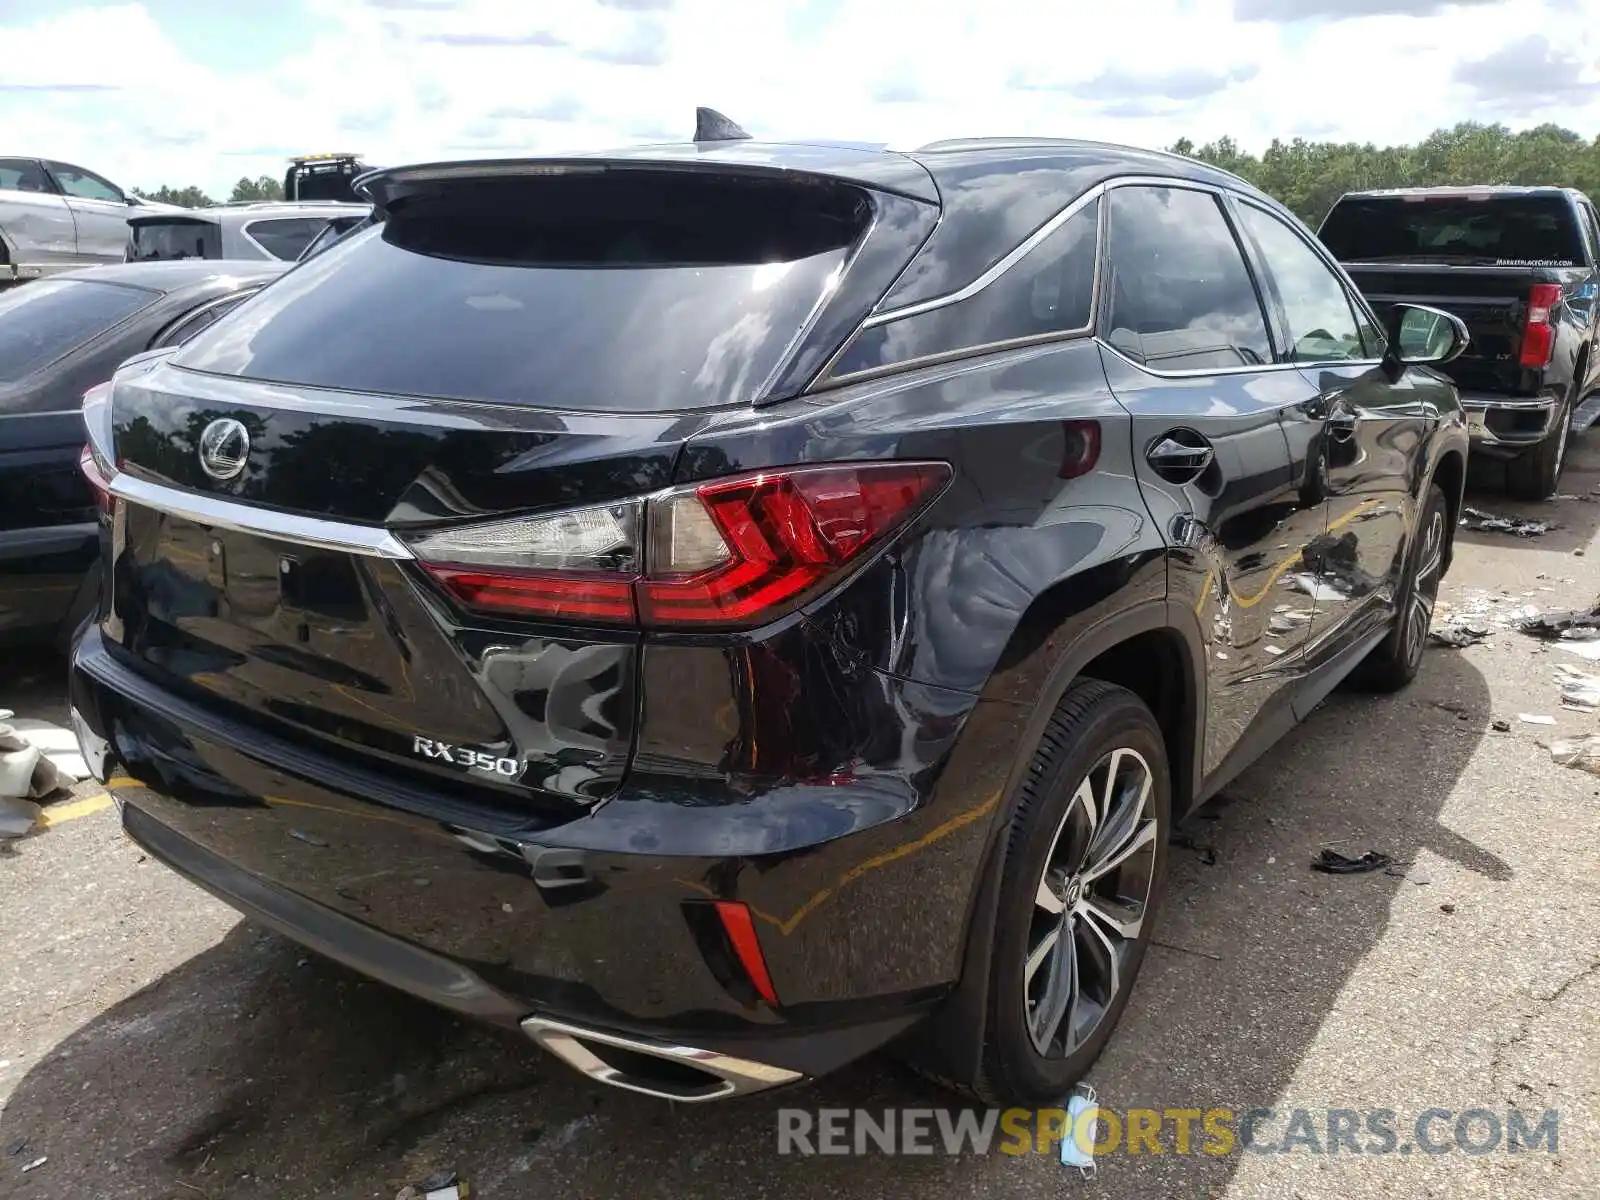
column 71, row 810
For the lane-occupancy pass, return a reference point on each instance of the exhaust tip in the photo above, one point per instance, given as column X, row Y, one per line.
column 660, row 1069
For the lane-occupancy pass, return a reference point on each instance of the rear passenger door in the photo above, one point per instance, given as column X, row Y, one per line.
column 1361, row 431
column 34, row 217
column 1187, row 350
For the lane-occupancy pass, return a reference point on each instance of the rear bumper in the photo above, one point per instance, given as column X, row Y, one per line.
column 1507, row 425
column 598, row 926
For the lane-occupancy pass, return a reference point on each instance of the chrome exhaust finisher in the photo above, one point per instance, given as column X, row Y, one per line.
column 658, row 1069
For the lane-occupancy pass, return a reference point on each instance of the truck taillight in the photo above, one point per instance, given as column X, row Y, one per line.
column 1538, row 333
column 96, row 462
column 728, row 553
column 99, row 481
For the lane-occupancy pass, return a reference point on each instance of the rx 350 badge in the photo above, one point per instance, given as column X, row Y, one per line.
column 463, row 756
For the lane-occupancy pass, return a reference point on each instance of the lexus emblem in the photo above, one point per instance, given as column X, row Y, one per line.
column 224, row 448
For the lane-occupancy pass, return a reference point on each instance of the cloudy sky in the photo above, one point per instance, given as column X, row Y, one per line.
column 204, row 91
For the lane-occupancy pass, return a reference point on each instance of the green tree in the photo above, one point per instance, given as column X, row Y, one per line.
column 263, row 187
column 187, row 197
column 1309, row 176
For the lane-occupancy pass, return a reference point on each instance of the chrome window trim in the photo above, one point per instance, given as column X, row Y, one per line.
column 217, row 513
column 1012, row 257
column 1247, row 369
column 159, row 342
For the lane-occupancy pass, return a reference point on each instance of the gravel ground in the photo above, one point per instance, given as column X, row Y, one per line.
column 153, row 1046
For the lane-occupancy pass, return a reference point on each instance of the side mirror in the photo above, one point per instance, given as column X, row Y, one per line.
column 131, row 201
column 1423, row 336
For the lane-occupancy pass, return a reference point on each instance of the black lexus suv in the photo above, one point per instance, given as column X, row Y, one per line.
column 724, row 609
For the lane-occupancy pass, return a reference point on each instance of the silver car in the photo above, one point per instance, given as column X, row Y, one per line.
column 56, row 217
column 247, row 230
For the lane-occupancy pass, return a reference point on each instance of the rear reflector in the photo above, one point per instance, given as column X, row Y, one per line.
column 728, row 553
column 99, row 481
column 741, row 932
column 1538, row 334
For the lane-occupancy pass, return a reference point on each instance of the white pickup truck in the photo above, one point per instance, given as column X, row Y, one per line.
column 55, row 217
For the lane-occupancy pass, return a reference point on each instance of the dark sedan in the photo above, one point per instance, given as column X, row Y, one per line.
column 59, row 337
column 723, row 609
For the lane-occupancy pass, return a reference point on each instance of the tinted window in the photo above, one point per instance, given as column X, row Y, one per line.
column 1322, row 325
column 1503, row 229
column 1050, row 290
column 1178, row 295
column 75, row 181
column 285, row 237
column 23, row 175
column 640, row 293
column 1592, row 226
column 42, row 321
column 186, row 327
column 177, row 238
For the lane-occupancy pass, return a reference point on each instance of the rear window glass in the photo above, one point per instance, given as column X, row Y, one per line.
column 1509, row 231
column 157, row 240
column 630, row 292
column 285, row 237
column 42, row 321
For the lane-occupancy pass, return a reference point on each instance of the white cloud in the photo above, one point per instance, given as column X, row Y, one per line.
column 401, row 80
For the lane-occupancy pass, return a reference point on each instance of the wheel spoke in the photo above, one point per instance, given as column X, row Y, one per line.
column 1060, row 998
column 1119, row 824
column 1041, row 952
column 1047, row 900
column 1142, row 836
column 1123, row 920
column 1113, row 960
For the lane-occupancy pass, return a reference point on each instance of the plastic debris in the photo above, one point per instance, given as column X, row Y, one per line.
column 1582, row 753
column 1476, row 518
column 1500, row 725
column 35, row 1164
column 1317, row 589
column 1579, row 691
column 300, row 835
column 56, row 742
column 1574, row 624
column 16, row 1147
column 17, row 817
column 25, row 770
column 1457, row 637
column 1331, row 862
column 1536, row 719
column 441, row 1185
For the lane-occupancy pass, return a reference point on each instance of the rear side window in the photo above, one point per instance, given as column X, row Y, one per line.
column 631, row 291
column 1322, row 324
column 43, row 321
column 23, row 175
column 1047, row 292
column 1490, row 231
column 285, row 237
column 150, row 241
column 1179, row 297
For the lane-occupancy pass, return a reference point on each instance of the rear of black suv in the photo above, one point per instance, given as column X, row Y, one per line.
column 495, row 607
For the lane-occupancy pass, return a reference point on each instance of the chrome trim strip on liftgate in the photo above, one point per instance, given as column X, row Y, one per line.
column 371, row 541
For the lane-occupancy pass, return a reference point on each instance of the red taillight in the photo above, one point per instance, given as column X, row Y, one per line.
column 731, row 552
column 741, row 931
column 783, row 534
column 99, row 481
column 1538, row 334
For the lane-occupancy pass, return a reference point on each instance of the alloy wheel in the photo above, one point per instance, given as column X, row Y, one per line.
column 1090, row 904
column 1425, row 586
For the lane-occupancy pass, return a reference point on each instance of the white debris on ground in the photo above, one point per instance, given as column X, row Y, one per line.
column 36, row 759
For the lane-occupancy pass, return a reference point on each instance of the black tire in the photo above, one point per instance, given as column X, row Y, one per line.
column 1394, row 662
column 1535, row 474
column 1096, row 727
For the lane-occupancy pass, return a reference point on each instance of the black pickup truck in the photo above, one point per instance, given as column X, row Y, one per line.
column 1519, row 266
